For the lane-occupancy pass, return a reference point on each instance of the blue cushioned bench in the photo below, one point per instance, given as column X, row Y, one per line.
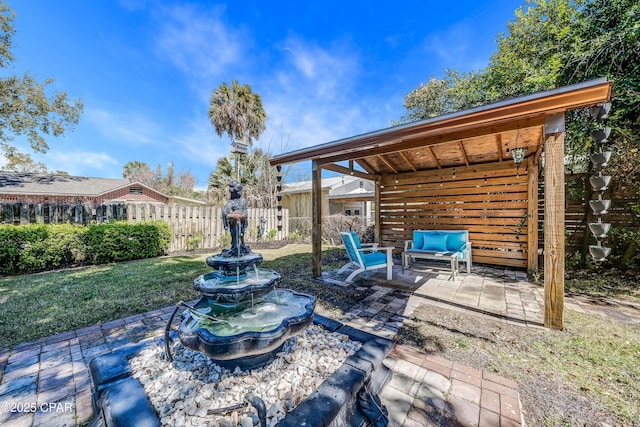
column 450, row 245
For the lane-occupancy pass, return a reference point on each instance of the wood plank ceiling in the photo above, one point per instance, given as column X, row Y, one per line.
column 495, row 147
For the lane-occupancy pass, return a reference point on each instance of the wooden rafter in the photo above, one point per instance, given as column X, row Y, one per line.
column 433, row 156
column 386, row 162
column 409, row 162
column 464, row 153
column 499, row 144
column 364, row 164
column 346, row 171
column 527, row 110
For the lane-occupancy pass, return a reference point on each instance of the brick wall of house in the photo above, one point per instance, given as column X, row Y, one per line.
column 122, row 194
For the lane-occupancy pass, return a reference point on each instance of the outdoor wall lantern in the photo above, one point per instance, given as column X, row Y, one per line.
column 517, row 153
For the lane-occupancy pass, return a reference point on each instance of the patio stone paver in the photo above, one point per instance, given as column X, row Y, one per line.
column 425, row 390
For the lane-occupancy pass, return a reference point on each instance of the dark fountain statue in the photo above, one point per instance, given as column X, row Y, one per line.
column 234, row 218
column 241, row 319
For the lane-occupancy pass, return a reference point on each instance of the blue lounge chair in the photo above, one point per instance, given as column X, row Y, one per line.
column 365, row 257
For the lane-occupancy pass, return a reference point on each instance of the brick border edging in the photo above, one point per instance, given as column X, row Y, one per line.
column 114, row 383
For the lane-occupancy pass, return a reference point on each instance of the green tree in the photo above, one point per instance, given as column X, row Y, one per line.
column 139, row 171
column 165, row 182
column 237, row 111
column 259, row 179
column 456, row 91
column 28, row 107
column 553, row 43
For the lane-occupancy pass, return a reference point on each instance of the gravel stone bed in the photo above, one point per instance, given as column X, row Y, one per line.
column 186, row 391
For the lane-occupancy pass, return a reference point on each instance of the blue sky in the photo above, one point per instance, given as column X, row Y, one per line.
column 326, row 70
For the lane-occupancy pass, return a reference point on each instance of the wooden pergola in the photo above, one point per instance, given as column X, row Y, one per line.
column 456, row 172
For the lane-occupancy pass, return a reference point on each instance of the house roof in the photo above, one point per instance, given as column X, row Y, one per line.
column 478, row 135
column 60, row 185
column 337, row 186
column 332, row 184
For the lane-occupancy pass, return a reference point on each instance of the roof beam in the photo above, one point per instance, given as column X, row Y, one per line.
column 499, row 144
column 364, row 164
column 386, row 162
column 433, row 156
column 409, row 162
column 464, row 153
column 346, row 171
column 437, row 139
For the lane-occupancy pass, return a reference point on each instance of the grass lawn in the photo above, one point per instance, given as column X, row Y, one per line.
column 568, row 377
column 44, row 304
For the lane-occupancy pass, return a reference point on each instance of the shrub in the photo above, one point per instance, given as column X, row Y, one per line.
column 194, row 242
column 37, row 247
column 295, row 236
column 121, row 241
column 270, row 235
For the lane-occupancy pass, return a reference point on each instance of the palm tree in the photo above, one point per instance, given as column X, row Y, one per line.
column 237, row 111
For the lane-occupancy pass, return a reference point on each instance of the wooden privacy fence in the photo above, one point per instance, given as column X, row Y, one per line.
column 189, row 224
column 578, row 214
column 205, row 223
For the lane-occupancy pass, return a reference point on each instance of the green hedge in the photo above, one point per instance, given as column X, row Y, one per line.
column 35, row 247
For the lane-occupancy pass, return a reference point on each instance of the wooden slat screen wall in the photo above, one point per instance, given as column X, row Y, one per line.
column 489, row 200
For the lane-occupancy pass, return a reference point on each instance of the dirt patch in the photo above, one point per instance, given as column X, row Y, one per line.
column 549, row 397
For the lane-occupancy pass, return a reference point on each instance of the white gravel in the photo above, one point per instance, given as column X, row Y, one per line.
column 183, row 391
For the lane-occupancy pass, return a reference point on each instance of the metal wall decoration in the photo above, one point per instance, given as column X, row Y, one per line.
column 279, row 197
column 599, row 182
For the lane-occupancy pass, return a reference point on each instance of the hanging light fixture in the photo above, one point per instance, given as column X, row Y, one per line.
column 518, row 152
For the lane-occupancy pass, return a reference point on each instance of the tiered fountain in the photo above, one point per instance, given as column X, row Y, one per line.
column 241, row 319
column 600, row 183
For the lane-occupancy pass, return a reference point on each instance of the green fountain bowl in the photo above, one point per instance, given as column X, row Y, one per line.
column 252, row 283
column 247, row 334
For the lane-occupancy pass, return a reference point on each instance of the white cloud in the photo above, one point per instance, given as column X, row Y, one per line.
column 312, row 99
column 308, row 89
column 200, row 145
column 197, row 41
column 126, row 127
column 75, row 162
column 451, row 46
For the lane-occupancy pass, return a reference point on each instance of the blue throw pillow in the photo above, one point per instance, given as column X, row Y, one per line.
column 418, row 239
column 456, row 241
column 436, row 243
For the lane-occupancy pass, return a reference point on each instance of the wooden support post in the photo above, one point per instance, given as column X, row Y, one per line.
column 316, row 219
column 532, row 214
column 377, row 229
column 554, row 201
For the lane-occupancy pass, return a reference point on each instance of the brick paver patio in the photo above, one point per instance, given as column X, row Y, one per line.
column 47, row 382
